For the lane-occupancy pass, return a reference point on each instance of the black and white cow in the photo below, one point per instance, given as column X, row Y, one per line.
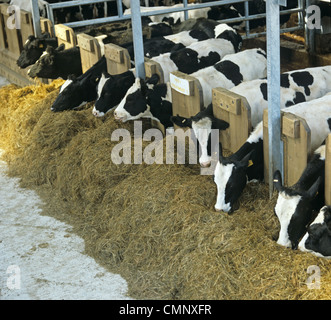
column 154, row 97
column 232, row 173
column 57, row 63
column 190, row 59
column 317, row 239
column 202, row 30
column 296, row 86
column 77, row 91
column 296, row 203
column 297, row 206
column 33, row 49
column 174, row 17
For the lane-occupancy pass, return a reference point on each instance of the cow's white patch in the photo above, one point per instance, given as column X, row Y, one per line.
column 257, row 133
column 66, row 84
column 221, row 177
column 97, row 113
column 202, row 130
column 101, row 84
column 285, row 208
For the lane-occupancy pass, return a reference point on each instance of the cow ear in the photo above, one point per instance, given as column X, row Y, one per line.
column 60, row 47
column 181, row 121
column 278, row 184
column 311, row 193
column 220, row 124
column 154, row 79
column 246, row 161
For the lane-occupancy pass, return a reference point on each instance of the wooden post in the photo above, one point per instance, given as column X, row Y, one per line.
column 90, row 50
column 187, row 99
column 3, row 40
column 328, row 171
column 296, row 137
column 118, row 59
column 152, row 67
column 26, row 25
column 46, row 26
column 234, row 109
column 65, row 35
column 12, row 34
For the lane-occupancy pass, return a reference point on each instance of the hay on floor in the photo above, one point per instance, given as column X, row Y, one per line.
column 155, row 224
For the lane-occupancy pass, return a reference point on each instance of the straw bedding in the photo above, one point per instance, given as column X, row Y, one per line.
column 155, row 224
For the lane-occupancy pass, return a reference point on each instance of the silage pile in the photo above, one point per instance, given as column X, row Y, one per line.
column 155, row 224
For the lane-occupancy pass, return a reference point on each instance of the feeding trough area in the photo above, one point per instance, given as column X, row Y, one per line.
column 153, row 220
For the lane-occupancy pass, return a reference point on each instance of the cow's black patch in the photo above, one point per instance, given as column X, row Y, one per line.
column 299, row 97
column 233, row 37
column 262, row 53
column 329, row 123
column 303, row 79
column 188, row 61
column 264, row 90
column 284, row 80
column 198, row 34
column 230, row 70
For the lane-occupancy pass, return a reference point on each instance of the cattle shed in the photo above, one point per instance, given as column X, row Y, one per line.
column 156, row 223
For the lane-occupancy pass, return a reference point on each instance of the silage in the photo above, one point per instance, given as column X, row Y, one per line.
column 155, row 224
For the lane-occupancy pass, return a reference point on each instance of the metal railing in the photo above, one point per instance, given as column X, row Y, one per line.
column 185, row 8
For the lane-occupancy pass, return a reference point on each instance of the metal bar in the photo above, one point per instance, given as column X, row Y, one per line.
column 273, row 75
column 246, row 16
column 119, row 8
column 74, row 3
column 185, row 12
column 36, row 18
column 138, row 40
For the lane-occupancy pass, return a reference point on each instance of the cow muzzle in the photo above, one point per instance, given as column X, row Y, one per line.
column 119, row 117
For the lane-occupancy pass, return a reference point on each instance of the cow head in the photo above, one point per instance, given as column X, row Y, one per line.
column 202, row 124
column 318, row 237
column 134, row 105
column 230, row 177
column 33, row 49
column 45, row 64
column 75, row 92
column 294, row 211
column 111, row 90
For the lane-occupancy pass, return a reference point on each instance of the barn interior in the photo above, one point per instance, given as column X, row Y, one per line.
column 155, row 224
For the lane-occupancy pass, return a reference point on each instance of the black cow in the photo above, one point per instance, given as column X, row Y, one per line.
column 77, row 91
column 33, row 49
column 318, row 237
column 57, row 63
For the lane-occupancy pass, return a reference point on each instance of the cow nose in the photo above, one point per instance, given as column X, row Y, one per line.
column 205, row 164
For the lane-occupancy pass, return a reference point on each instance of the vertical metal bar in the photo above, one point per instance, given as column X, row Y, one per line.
column 185, row 12
column 246, row 16
column 138, row 39
column 273, row 64
column 309, row 33
column 36, row 18
column 119, row 8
